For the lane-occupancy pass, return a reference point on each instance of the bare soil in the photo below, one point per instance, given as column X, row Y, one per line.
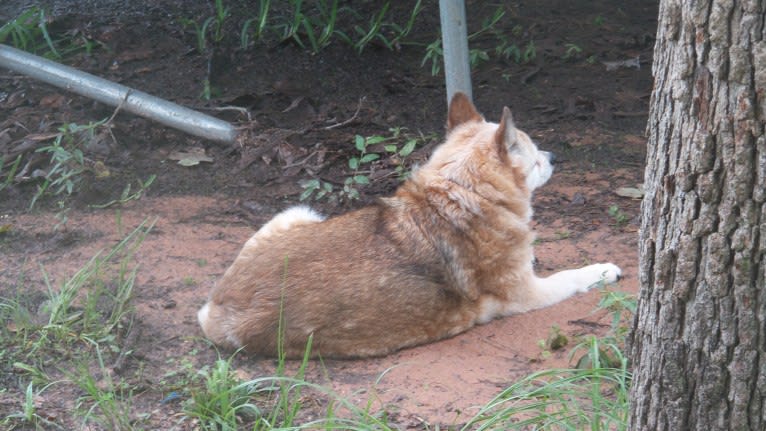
column 591, row 117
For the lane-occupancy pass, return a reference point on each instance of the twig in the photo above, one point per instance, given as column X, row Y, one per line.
column 527, row 76
column 353, row 117
column 119, row 107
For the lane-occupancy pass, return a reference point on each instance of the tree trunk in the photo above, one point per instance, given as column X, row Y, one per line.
column 699, row 336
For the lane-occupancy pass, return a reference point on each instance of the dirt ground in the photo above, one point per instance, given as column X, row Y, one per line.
column 302, row 111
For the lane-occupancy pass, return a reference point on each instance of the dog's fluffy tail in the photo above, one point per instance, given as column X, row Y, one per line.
column 213, row 320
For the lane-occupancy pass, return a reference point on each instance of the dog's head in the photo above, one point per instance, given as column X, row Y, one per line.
column 472, row 140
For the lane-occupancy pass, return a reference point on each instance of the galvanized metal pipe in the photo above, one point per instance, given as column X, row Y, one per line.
column 110, row 93
column 457, row 68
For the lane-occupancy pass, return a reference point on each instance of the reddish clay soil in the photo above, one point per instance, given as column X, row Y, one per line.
column 591, row 117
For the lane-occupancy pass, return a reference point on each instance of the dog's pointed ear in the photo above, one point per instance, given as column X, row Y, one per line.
column 505, row 136
column 461, row 110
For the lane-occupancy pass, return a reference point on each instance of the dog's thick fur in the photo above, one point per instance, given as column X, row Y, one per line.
column 452, row 248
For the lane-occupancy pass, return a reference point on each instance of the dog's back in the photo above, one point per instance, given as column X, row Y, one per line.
column 343, row 280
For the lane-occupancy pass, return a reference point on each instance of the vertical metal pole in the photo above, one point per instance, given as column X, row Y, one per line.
column 457, row 69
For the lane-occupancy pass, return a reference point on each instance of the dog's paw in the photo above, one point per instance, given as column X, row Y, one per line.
column 601, row 274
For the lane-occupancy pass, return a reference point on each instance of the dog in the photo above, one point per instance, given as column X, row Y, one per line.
column 451, row 248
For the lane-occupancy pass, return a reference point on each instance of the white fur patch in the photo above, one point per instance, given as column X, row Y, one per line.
column 285, row 220
column 489, row 309
column 203, row 315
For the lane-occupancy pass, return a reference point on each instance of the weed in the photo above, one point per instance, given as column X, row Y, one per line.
column 12, row 168
column 68, row 163
column 28, row 414
column 572, row 51
column 594, row 398
column 504, row 48
column 434, row 54
column 360, row 164
column 619, row 217
column 221, row 400
column 317, row 188
column 622, row 306
column 26, row 30
column 101, row 305
column 373, row 31
column 127, row 196
column 104, row 401
column 599, row 21
column 260, row 24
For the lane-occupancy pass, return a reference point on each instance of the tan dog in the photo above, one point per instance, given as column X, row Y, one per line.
column 452, row 248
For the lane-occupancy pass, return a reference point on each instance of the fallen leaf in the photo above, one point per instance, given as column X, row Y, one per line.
column 190, row 157
column 630, row 192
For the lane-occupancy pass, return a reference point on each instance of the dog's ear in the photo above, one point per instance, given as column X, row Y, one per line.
column 461, row 110
column 506, row 139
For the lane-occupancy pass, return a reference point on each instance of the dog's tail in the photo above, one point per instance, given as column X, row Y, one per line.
column 215, row 323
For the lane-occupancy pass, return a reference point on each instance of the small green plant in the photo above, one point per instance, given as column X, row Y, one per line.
column 127, row 196
column 28, row 415
column 260, row 21
column 622, row 306
column 619, row 217
column 26, row 30
column 398, row 155
column 359, row 177
column 505, row 49
column 360, row 164
column 106, row 401
column 373, row 31
column 67, row 163
column 12, row 167
column 594, row 398
column 599, row 21
column 86, row 308
column 221, row 400
column 316, row 187
column 572, row 51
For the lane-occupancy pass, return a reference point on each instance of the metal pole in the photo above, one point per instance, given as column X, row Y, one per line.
column 110, row 93
column 457, row 69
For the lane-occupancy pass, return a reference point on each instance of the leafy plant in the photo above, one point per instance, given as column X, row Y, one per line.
column 435, row 53
column 397, row 153
column 317, row 188
column 572, row 51
column 67, row 159
column 620, row 218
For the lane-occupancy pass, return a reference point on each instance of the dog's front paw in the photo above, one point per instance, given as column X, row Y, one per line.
column 601, row 274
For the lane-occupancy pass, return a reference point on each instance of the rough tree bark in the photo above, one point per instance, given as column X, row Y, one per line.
column 699, row 337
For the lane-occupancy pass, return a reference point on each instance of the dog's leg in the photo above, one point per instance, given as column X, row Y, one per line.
column 561, row 285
